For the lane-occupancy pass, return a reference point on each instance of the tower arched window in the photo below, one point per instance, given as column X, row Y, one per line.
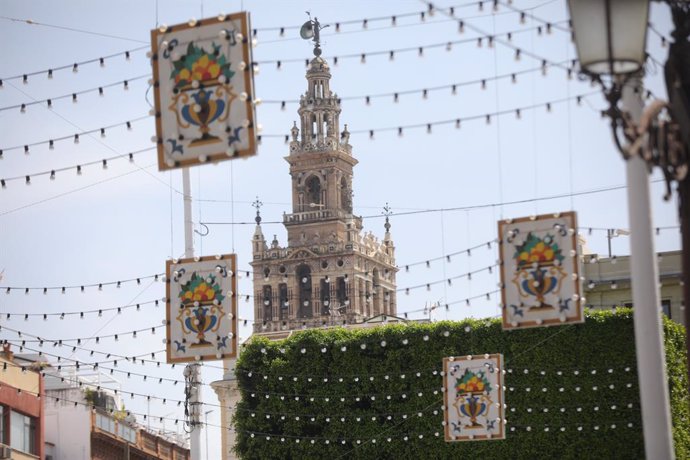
column 313, row 189
column 345, row 195
column 304, row 281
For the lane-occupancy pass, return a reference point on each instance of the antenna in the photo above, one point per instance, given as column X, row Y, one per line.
column 311, row 30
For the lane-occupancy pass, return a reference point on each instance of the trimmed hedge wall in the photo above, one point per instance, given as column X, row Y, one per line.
column 604, row 343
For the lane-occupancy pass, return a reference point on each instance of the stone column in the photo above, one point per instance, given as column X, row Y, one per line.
column 228, row 397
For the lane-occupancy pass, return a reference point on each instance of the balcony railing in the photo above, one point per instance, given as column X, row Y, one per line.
column 319, row 214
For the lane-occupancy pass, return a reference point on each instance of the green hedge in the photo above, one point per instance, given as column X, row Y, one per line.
column 604, row 343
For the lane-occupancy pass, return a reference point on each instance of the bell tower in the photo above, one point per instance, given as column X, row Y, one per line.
column 330, row 273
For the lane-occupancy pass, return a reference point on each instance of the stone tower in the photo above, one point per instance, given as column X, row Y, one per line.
column 330, row 272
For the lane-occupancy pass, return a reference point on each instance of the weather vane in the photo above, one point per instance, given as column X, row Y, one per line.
column 312, row 30
column 257, row 204
column 387, row 211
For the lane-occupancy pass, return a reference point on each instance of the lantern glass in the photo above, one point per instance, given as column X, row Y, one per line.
column 610, row 35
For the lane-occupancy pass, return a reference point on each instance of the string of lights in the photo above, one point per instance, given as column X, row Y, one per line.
column 75, row 95
column 366, row 22
column 463, row 208
column 457, row 122
column 524, row 15
column 127, row 54
column 91, row 406
column 22, row 344
column 82, row 287
column 579, row 426
column 78, row 169
column 96, row 311
column 426, row 262
column 548, row 106
column 116, row 336
column 587, row 258
column 506, row 43
column 99, row 365
column 392, row 20
column 424, row 92
column 411, row 374
column 101, row 60
column 75, row 137
column 407, row 289
column 359, row 417
column 313, row 440
column 655, row 31
column 132, row 394
column 480, row 40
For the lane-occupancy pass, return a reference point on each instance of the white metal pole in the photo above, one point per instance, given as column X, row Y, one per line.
column 195, row 372
column 188, row 231
column 649, row 345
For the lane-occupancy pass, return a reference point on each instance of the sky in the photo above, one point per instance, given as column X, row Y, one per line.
column 447, row 188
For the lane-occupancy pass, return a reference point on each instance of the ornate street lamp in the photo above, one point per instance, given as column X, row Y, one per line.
column 610, row 36
column 610, row 39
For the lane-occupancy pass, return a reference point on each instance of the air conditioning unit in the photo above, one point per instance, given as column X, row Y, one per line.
column 5, row 452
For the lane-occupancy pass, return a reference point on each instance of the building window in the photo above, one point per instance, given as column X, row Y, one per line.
column 313, row 190
column 3, row 436
column 666, row 307
column 284, row 303
column 325, row 297
column 304, row 280
column 341, row 289
column 23, row 433
column 268, row 303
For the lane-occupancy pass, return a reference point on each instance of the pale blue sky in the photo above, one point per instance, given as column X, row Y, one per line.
column 123, row 222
